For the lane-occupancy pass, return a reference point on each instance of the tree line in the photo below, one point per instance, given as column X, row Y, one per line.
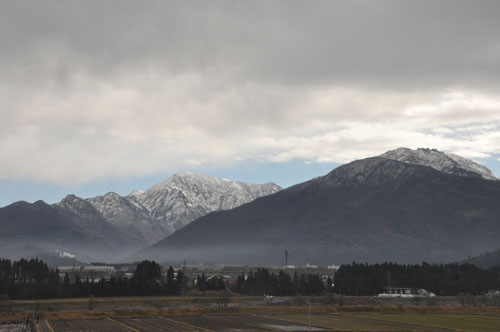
column 264, row 282
column 33, row 279
column 443, row 279
column 25, row 279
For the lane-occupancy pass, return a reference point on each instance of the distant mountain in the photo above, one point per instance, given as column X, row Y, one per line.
column 81, row 212
column 59, row 228
column 182, row 198
column 486, row 259
column 175, row 202
column 111, row 226
column 447, row 163
column 129, row 216
column 370, row 210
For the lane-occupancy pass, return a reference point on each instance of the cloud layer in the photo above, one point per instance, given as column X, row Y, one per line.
column 92, row 90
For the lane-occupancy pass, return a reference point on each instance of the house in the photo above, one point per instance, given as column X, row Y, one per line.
column 493, row 292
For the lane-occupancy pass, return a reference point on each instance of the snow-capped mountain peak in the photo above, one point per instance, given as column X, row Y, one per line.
column 447, row 163
column 182, row 198
column 173, row 203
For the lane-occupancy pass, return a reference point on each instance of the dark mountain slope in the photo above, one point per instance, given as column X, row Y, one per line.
column 371, row 210
column 486, row 259
column 58, row 228
column 38, row 222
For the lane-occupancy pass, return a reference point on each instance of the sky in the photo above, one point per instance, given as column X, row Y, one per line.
column 99, row 96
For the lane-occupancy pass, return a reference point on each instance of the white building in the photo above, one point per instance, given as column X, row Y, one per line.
column 405, row 292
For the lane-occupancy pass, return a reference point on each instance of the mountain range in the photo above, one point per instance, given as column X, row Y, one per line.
column 406, row 206
column 59, row 228
column 112, row 226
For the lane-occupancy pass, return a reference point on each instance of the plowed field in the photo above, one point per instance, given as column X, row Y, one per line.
column 327, row 322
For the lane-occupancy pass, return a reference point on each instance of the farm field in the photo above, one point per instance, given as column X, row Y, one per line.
column 190, row 323
column 12, row 328
column 402, row 321
column 182, row 302
column 149, row 314
column 326, row 322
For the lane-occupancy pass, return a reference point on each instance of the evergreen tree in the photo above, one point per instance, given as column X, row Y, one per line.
column 181, row 282
column 171, row 282
column 66, row 292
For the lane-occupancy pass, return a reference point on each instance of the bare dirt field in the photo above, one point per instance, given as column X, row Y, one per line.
column 12, row 328
column 177, row 324
column 258, row 323
column 155, row 324
column 247, row 315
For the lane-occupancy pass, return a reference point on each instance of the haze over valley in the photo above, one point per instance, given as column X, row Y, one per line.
column 405, row 206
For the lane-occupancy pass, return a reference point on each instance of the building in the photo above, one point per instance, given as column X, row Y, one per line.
column 90, row 272
column 405, row 292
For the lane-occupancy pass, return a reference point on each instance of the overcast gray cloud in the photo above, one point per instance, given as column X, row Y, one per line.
column 127, row 88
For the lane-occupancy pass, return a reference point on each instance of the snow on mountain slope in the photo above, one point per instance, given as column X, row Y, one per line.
column 447, row 163
column 182, row 198
column 81, row 212
column 175, row 202
column 127, row 214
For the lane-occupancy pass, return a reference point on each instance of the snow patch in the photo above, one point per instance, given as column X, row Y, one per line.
column 447, row 163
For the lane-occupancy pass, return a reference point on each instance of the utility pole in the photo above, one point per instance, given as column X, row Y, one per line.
column 286, row 259
column 309, row 314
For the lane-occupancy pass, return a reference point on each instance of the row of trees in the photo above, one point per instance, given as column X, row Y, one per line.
column 25, row 279
column 264, row 282
column 33, row 280
column 449, row 279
